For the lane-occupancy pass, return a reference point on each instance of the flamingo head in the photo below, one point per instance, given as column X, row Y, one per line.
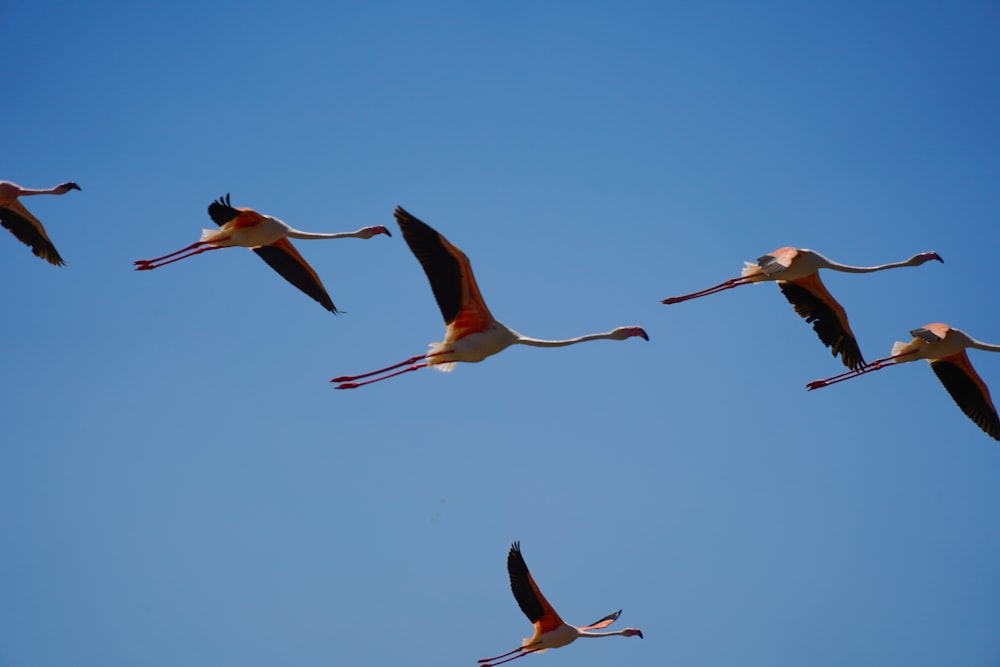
column 926, row 257
column 631, row 632
column 621, row 333
column 66, row 187
column 369, row 232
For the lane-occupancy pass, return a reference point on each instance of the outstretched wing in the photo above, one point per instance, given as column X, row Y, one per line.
column 286, row 260
column 27, row 228
column 813, row 302
column 604, row 622
column 969, row 391
column 449, row 273
column 280, row 255
column 529, row 598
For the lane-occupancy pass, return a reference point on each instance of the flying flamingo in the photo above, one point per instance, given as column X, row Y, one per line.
column 25, row 226
column 796, row 271
column 550, row 630
column 268, row 237
column 472, row 333
column 944, row 348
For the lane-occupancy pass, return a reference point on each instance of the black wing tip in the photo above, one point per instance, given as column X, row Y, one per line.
column 966, row 394
column 222, row 201
column 221, row 210
column 402, row 215
column 515, row 559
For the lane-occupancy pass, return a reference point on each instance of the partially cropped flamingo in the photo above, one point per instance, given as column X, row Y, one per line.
column 550, row 630
column 472, row 333
column 268, row 237
column 944, row 347
column 25, row 226
column 796, row 271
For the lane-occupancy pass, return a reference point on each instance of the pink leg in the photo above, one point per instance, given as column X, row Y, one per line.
column 729, row 284
column 878, row 364
column 523, row 653
column 149, row 264
column 502, row 655
column 351, row 378
column 355, row 385
column 157, row 259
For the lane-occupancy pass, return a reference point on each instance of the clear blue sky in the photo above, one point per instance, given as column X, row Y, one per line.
column 180, row 484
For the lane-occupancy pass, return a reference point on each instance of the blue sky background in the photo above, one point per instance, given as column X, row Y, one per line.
column 180, row 484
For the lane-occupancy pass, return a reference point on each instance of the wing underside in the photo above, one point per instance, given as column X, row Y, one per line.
column 968, row 391
column 813, row 302
column 529, row 598
column 286, row 260
column 28, row 230
column 449, row 272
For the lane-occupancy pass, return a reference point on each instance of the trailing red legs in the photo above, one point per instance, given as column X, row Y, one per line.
column 348, row 380
column 147, row 264
column 521, row 652
column 867, row 368
column 729, row 284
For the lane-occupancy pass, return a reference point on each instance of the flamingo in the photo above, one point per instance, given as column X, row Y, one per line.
column 472, row 333
column 796, row 271
column 23, row 224
column 268, row 237
column 550, row 630
column 944, row 348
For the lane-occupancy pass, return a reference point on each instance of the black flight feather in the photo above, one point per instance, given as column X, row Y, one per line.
column 443, row 269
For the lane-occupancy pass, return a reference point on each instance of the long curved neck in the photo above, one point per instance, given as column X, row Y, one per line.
column 297, row 234
column 615, row 633
column 913, row 261
column 536, row 342
column 27, row 192
column 979, row 345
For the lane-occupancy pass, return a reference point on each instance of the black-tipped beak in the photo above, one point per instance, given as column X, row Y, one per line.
column 71, row 185
column 639, row 632
column 936, row 256
column 642, row 332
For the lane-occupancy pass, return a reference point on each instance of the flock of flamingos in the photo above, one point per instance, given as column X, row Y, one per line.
column 472, row 334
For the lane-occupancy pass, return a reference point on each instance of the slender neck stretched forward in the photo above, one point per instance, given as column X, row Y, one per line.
column 979, row 345
column 626, row 632
column 538, row 342
column 916, row 260
column 27, row 192
column 363, row 233
column 18, row 191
